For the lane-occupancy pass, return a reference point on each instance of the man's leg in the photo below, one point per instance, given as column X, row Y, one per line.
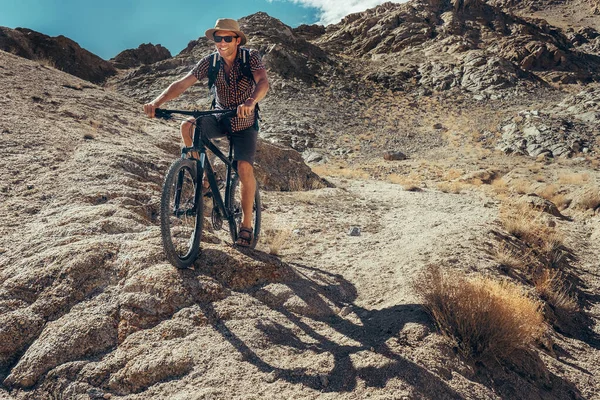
column 187, row 134
column 247, row 189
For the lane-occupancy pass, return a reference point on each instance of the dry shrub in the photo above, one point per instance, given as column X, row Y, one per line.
column 450, row 187
column 573, row 179
column 551, row 287
column 484, row 317
column 590, row 200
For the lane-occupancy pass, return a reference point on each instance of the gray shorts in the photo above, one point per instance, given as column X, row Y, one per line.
column 244, row 142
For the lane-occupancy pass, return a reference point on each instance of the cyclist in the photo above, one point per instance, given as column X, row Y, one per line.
column 232, row 90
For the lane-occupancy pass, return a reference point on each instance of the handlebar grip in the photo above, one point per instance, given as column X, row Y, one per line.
column 163, row 114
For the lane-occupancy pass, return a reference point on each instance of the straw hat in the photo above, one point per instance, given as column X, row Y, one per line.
column 226, row 24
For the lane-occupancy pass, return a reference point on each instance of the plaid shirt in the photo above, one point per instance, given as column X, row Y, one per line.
column 234, row 91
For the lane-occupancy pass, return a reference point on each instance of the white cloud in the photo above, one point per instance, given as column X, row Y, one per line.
column 332, row 11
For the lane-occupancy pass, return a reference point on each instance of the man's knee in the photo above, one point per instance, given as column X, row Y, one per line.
column 187, row 127
column 245, row 170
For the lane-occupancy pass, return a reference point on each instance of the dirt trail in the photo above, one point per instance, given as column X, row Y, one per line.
column 400, row 232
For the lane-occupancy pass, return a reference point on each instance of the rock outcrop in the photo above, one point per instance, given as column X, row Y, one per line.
column 59, row 52
column 144, row 54
column 70, row 292
column 468, row 44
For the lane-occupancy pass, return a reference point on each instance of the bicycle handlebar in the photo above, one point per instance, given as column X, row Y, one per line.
column 167, row 114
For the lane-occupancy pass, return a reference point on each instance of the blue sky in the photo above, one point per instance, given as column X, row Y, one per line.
column 107, row 27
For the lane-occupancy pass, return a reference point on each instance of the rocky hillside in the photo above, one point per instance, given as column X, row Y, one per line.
column 436, row 52
column 59, row 52
column 482, row 110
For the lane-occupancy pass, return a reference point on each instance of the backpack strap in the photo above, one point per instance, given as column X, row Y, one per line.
column 246, row 70
column 213, row 69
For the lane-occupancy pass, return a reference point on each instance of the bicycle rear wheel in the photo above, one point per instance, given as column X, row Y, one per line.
column 234, row 203
column 180, row 217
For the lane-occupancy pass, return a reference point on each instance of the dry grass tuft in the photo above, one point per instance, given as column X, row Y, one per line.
column 510, row 257
column 551, row 287
column 409, row 183
column 450, row 187
column 561, row 201
column 552, row 193
column 484, row 317
column 573, row 179
column 521, row 186
column 277, row 239
column 529, row 226
column 590, row 200
column 453, row 174
column 547, row 192
column 499, row 186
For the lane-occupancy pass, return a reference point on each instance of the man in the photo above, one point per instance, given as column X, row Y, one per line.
column 233, row 90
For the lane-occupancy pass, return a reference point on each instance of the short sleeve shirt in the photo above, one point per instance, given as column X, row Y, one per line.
column 234, row 91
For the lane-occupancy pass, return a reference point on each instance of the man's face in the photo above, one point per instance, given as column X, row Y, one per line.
column 226, row 49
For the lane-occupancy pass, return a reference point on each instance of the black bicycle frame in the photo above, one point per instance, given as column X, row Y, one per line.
column 199, row 145
column 203, row 164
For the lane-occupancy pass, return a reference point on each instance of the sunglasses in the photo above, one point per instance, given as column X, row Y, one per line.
column 227, row 39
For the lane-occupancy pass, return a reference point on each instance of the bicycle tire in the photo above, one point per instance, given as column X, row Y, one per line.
column 180, row 219
column 234, row 203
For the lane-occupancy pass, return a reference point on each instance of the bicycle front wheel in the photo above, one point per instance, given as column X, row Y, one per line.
column 181, row 216
column 234, row 203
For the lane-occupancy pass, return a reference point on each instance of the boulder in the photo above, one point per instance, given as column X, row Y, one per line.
column 282, row 168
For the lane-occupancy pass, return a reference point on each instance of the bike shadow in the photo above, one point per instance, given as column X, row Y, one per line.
column 313, row 301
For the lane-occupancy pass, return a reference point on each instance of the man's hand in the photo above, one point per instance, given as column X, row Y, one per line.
column 149, row 109
column 245, row 110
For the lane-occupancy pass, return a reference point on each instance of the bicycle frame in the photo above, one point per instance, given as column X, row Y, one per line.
column 199, row 145
column 204, row 164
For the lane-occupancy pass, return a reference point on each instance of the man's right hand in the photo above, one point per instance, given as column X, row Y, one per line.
column 149, row 109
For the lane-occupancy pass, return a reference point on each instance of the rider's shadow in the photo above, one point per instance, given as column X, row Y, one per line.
column 311, row 300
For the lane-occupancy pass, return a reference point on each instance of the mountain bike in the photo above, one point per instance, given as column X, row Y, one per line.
column 182, row 205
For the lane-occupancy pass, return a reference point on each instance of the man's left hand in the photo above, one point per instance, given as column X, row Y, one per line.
column 245, row 110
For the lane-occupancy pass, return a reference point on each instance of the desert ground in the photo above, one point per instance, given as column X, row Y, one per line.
column 337, row 300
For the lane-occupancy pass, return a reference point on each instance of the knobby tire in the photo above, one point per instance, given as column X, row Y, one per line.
column 180, row 219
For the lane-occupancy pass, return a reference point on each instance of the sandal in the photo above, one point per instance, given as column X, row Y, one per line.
column 244, row 237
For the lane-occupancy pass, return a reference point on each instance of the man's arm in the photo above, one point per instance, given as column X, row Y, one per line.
column 260, row 91
column 172, row 92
